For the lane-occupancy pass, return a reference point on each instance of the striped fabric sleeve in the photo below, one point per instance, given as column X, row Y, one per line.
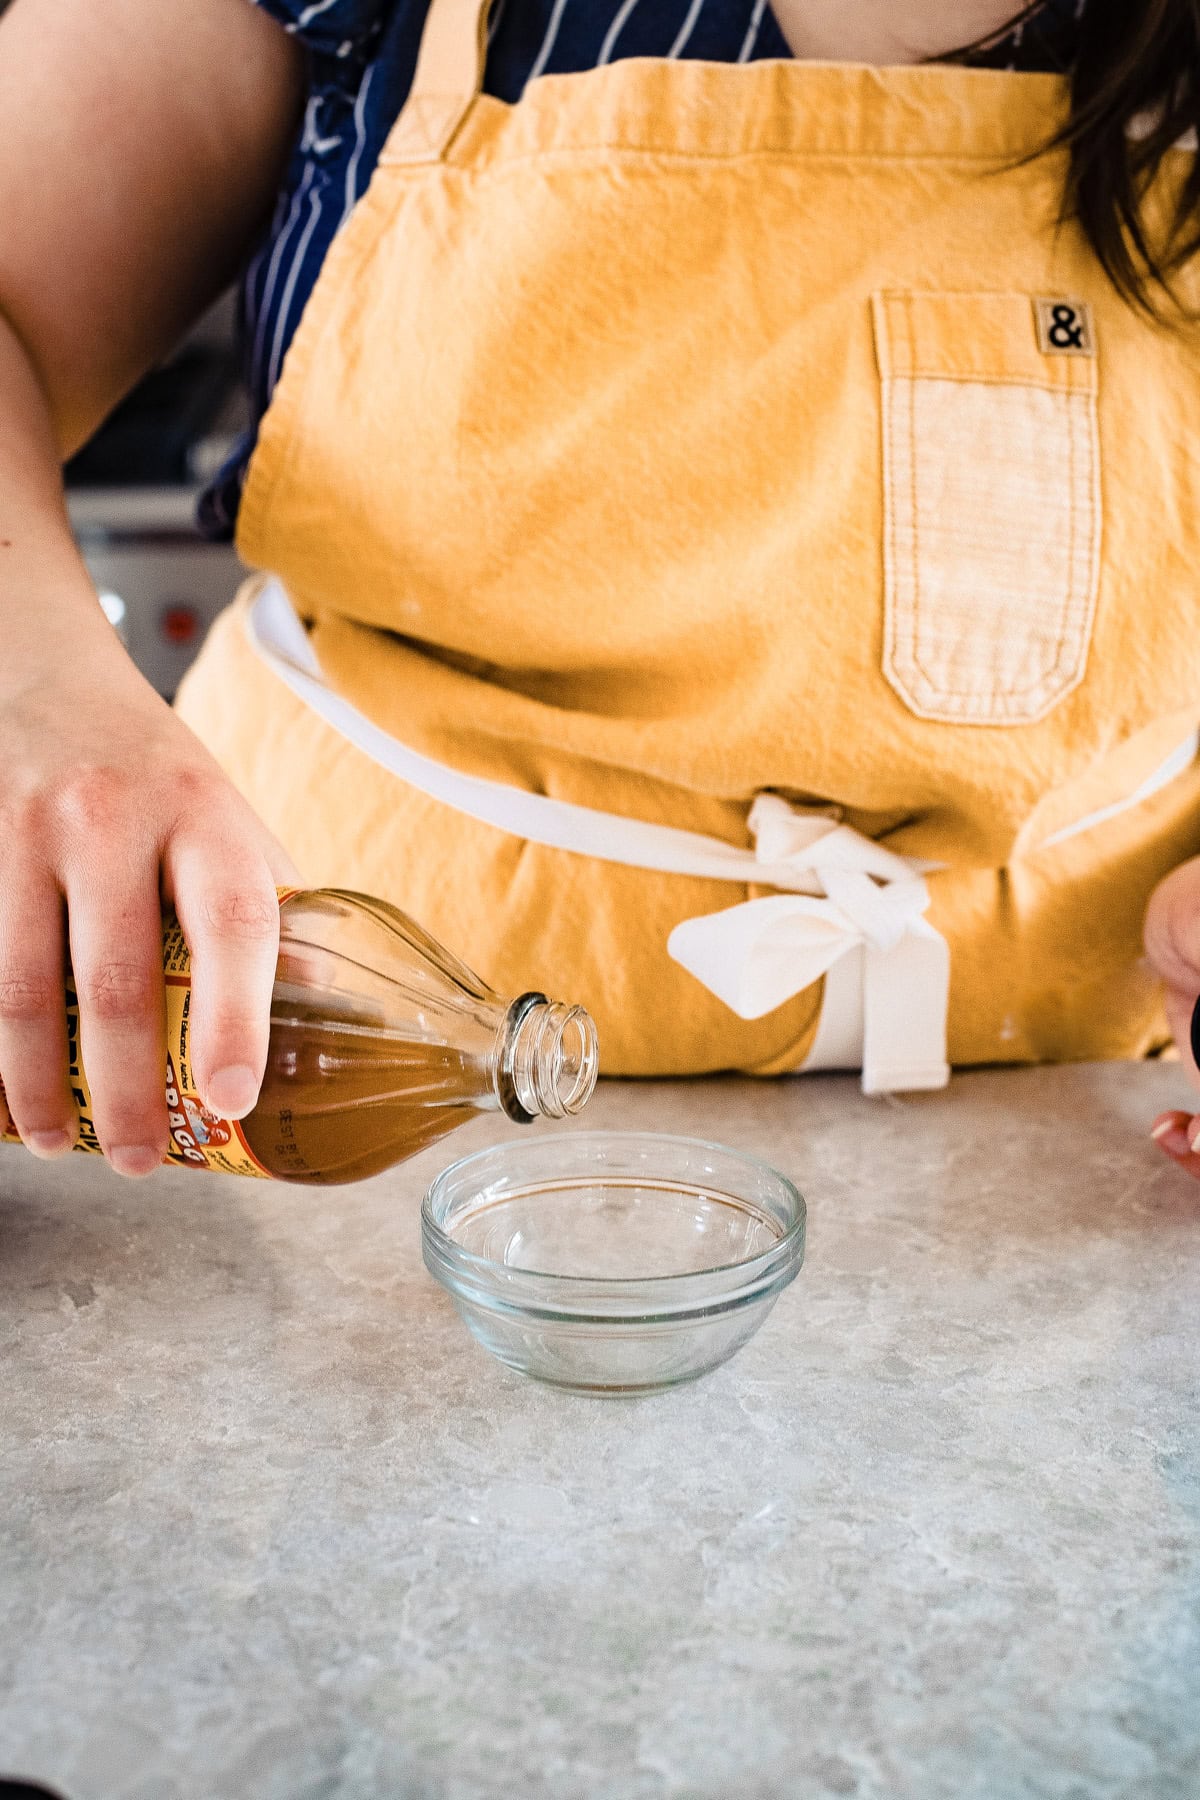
column 330, row 27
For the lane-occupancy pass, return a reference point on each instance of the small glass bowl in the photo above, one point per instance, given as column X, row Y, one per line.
column 612, row 1262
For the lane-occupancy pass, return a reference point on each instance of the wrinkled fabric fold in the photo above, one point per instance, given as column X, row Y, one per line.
column 845, row 891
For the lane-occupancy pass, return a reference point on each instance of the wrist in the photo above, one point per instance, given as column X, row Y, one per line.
column 51, row 620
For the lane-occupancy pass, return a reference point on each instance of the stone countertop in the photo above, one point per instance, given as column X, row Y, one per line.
column 272, row 1527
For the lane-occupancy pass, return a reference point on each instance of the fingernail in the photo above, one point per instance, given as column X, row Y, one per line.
column 232, row 1092
column 48, row 1143
column 135, row 1159
column 1194, row 1142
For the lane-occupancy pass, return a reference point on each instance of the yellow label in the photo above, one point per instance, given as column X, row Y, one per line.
column 199, row 1138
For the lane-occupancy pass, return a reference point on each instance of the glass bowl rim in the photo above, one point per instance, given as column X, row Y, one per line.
column 613, row 1299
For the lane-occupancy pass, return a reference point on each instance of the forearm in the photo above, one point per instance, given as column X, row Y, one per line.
column 48, row 607
column 141, row 148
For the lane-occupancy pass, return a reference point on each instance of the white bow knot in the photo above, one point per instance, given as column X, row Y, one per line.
column 843, row 894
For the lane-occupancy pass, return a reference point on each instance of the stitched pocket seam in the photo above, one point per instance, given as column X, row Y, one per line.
column 987, row 651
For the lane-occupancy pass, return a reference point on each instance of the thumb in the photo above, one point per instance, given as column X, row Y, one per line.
column 1172, row 928
column 1172, row 938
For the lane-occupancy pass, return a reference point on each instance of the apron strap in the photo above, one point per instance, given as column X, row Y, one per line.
column 843, row 897
column 448, row 77
column 277, row 637
column 848, row 909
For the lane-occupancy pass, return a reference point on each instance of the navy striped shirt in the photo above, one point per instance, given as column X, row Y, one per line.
column 362, row 54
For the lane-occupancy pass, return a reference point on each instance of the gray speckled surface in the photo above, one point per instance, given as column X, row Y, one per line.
column 273, row 1528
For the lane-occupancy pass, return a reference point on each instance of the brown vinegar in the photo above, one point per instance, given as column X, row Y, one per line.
column 340, row 1102
column 381, row 1043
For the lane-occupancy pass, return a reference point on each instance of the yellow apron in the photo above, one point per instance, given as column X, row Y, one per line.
column 688, row 436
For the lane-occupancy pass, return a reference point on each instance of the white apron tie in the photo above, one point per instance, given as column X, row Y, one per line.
column 759, row 954
column 848, row 910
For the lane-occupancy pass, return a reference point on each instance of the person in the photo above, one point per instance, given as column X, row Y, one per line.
column 726, row 503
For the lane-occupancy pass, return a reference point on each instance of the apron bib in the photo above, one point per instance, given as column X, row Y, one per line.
column 765, row 517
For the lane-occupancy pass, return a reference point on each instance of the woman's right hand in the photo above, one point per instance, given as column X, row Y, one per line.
column 109, row 807
column 180, row 119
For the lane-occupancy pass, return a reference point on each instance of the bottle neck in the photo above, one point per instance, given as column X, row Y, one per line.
column 548, row 1059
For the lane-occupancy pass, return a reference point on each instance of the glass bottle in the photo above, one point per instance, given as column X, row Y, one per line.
column 381, row 1043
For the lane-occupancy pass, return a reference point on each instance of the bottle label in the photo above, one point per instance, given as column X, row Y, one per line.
column 199, row 1138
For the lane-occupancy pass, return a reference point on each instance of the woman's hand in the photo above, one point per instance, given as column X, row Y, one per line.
column 1173, row 947
column 108, row 806
column 177, row 120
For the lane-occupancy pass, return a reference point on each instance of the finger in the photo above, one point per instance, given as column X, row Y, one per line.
column 1174, row 1133
column 116, row 955
column 226, row 903
column 1172, row 928
column 284, row 873
column 33, row 1018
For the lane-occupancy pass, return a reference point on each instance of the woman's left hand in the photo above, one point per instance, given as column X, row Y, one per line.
column 1173, row 947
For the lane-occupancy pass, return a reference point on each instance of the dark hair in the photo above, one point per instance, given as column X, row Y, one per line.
column 1135, row 63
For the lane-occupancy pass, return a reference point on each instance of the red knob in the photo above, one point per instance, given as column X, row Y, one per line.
column 180, row 623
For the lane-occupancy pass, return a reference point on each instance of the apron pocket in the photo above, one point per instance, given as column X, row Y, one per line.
column 991, row 501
